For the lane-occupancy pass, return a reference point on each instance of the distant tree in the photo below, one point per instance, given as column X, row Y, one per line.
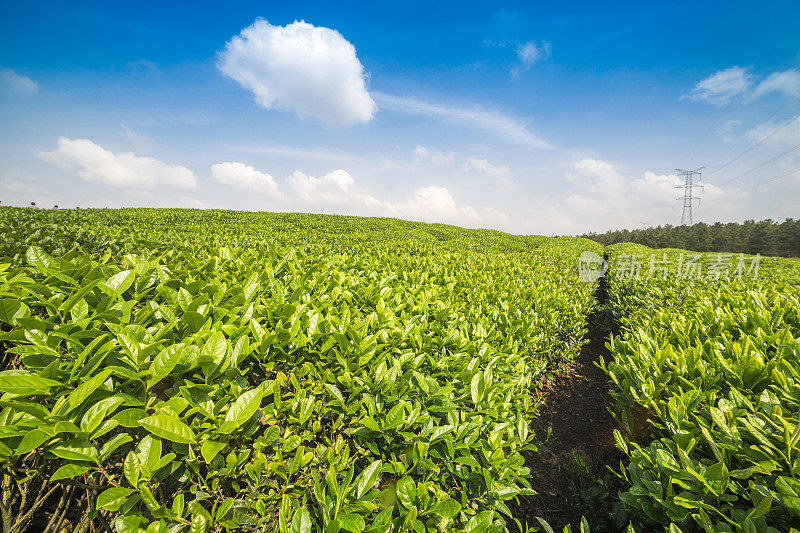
column 766, row 237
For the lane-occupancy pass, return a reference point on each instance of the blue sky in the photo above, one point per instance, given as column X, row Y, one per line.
column 551, row 118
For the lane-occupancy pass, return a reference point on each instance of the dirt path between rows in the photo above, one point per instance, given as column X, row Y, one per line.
column 575, row 406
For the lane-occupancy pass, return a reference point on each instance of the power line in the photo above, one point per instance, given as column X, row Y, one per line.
column 768, row 161
column 688, row 188
column 756, row 145
column 741, row 89
column 715, row 122
column 755, row 185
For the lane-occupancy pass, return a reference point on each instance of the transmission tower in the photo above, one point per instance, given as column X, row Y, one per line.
column 688, row 189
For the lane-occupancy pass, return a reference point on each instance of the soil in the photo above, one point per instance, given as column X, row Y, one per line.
column 576, row 411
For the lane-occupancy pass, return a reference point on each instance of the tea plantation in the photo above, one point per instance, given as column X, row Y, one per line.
column 706, row 372
column 169, row 370
column 176, row 370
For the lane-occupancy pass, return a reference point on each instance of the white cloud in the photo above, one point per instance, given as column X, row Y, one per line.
column 786, row 82
column 245, row 177
column 786, row 133
column 125, row 170
column 472, row 164
column 528, row 54
column 433, row 204
column 301, row 153
column 726, row 131
column 26, row 184
column 434, row 156
column 494, row 218
column 189, row 202
column 603, row 197
column 140, row 140
column 336, row 187
column 722, row 87
column 14, row 83
column 595, row 168
column 496, row 123
column 430, row 203
column 499, row 172
column 309, row 69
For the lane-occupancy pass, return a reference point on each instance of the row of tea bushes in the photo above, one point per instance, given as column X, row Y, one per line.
column 242, row 378
column 706, row 373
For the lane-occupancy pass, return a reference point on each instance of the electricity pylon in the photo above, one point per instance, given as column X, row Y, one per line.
column 688, row 189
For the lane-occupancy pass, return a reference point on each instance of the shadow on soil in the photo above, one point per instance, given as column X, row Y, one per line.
column 569, row 471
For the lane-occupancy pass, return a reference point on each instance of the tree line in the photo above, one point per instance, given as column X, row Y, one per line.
column 766, row 237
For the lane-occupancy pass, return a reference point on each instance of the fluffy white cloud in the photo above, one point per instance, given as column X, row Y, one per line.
column 499, row 172
column 309, row 69
column 786, row 82
column 431, row 203
column 603, row 197
column 245, row 177
column 528, row 54
column 336, row 187
column 597, row 169
column 126, row 170
column 14, row 83
column 434, row 156
column 721, row 87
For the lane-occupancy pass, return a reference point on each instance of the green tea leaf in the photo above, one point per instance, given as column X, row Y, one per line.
column 11, row 310
column 477, row 388
column 25, row 383
column 68, row 471
column 130, row 418
column 395, row 417
column 446, row 508
column 119, row 283
column 301, row 523
column 38, row 257
column 32, row 440
column 243, row 408
column 210, row 449
column 77, row 450
column 163, row 363
column 479, row 522
column 113, row 498
column 168, row 427
column 368, row 478
column 406, row 491
column 82, row 391
column 351, row 522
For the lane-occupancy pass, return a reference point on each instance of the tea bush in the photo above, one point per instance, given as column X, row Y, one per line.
column 713, row 366
column 207, row 371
